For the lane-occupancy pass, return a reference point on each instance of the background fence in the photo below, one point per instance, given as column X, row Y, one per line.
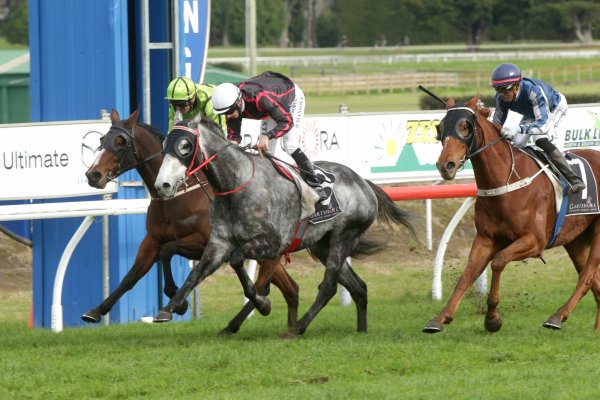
column 390, row 82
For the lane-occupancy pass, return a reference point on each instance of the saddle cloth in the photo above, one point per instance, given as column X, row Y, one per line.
column 316, row 212
column 584, row 202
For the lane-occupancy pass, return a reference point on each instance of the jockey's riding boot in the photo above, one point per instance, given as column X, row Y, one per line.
column 307, row 172
column 559, row 161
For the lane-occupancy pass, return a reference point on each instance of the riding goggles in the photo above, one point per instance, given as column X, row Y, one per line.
column 504, row 89
column 179, row 103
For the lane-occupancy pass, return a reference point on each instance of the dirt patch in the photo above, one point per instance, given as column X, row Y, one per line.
column 15, row 266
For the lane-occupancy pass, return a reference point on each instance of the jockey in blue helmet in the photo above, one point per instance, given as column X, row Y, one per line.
column 541, row 107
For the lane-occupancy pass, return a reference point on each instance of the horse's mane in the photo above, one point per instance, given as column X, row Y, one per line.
column 153, row 130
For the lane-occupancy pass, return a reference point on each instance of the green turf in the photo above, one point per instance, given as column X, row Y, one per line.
column 394, row 360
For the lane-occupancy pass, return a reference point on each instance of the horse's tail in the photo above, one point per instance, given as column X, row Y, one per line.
column 390, row 214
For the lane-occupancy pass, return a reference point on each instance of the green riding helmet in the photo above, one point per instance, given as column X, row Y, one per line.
column 181, row 88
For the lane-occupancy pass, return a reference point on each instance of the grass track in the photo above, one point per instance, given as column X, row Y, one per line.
column 393, row 361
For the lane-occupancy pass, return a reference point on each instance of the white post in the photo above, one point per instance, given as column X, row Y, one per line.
column 429, row 222
column 57, row 314
column 195, row 295
column 251, row 271
column 439, row 257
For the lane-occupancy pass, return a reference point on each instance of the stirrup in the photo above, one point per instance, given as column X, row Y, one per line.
column 319, row 189
column 321, row 192
column 577, row 186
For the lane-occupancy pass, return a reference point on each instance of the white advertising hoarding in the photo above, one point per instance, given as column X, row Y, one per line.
column 401, row 147
column 49, row 160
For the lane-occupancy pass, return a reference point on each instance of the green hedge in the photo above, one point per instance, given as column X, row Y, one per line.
column 429, row 103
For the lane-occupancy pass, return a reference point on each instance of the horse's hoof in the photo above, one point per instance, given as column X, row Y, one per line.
column 493, row 324
column 553, row 322
column 92, row 316
column 265, row 308
column 225, row 332
column 290, row 334
column 433, row 326
column 183, row 309
column 163, row 316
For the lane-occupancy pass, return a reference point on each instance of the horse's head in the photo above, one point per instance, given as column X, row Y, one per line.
column 185, row 152
column 180, row 153
column 457, row 132
column 126, row 145
column 116, row 154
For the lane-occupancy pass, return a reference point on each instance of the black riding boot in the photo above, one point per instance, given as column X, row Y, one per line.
column 307, row 172
column 559, row 161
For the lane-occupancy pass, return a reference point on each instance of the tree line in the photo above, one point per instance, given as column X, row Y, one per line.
column 329, row 23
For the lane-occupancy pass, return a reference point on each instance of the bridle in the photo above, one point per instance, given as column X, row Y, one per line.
column 469, row 115
column 127, row 155
column 191, row 169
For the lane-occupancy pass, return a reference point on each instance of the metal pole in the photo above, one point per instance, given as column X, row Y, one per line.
column 175, row 40
column 145, row 61
column 251, row 35
column 105, row 262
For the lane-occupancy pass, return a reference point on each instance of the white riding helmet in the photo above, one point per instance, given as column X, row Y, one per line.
column 224, row 97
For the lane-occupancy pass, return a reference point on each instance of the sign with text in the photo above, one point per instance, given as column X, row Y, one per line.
column 46, row 161
column 193, row 38
column 401, row 147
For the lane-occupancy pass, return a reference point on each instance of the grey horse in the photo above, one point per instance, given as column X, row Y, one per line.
column 256, row 213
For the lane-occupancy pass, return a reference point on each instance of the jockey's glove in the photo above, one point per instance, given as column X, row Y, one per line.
column 509, row 132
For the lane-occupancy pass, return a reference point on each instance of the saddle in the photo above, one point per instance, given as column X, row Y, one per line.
column 322, row 211
column 584, row 202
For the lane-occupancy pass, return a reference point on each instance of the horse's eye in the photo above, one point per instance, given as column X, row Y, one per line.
column 120, row 142
column 184, row 147
column 467, row 129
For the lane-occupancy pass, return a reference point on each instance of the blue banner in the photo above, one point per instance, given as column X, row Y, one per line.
column 194, row 30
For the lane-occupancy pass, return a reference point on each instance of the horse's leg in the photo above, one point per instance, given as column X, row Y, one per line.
column 358, row 290
column 524, row 247
column 587, row 278
column 578, row 251
column 355, row 285
column 481, row 253
column 269, row 270
column 258, row 248
column 339, row 249
column 146, row 256
column 190, row 247
column 213, row 257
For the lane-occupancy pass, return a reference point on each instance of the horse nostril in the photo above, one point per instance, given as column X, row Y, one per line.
column 166, row 185
column 93, row 176
column 450, row 166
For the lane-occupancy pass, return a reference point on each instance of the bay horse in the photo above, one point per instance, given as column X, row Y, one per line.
column 515, row 213
column 179, row 225
column 256, row 213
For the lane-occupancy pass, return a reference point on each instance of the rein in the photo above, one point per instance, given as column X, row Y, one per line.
column 502, row 189
column 191, row 170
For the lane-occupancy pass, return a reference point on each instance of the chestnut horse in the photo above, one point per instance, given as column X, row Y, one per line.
column 515, row 212
column 174, row 226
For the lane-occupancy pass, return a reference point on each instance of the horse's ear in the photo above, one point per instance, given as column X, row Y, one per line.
column 133, row 117
column 114, row 116
column 178, row 117
column 450, row 103
column 196, row 120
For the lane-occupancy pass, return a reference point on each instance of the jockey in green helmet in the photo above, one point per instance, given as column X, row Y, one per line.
column 190, row 99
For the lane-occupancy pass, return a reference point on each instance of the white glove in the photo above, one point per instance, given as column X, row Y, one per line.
column 509, row 132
